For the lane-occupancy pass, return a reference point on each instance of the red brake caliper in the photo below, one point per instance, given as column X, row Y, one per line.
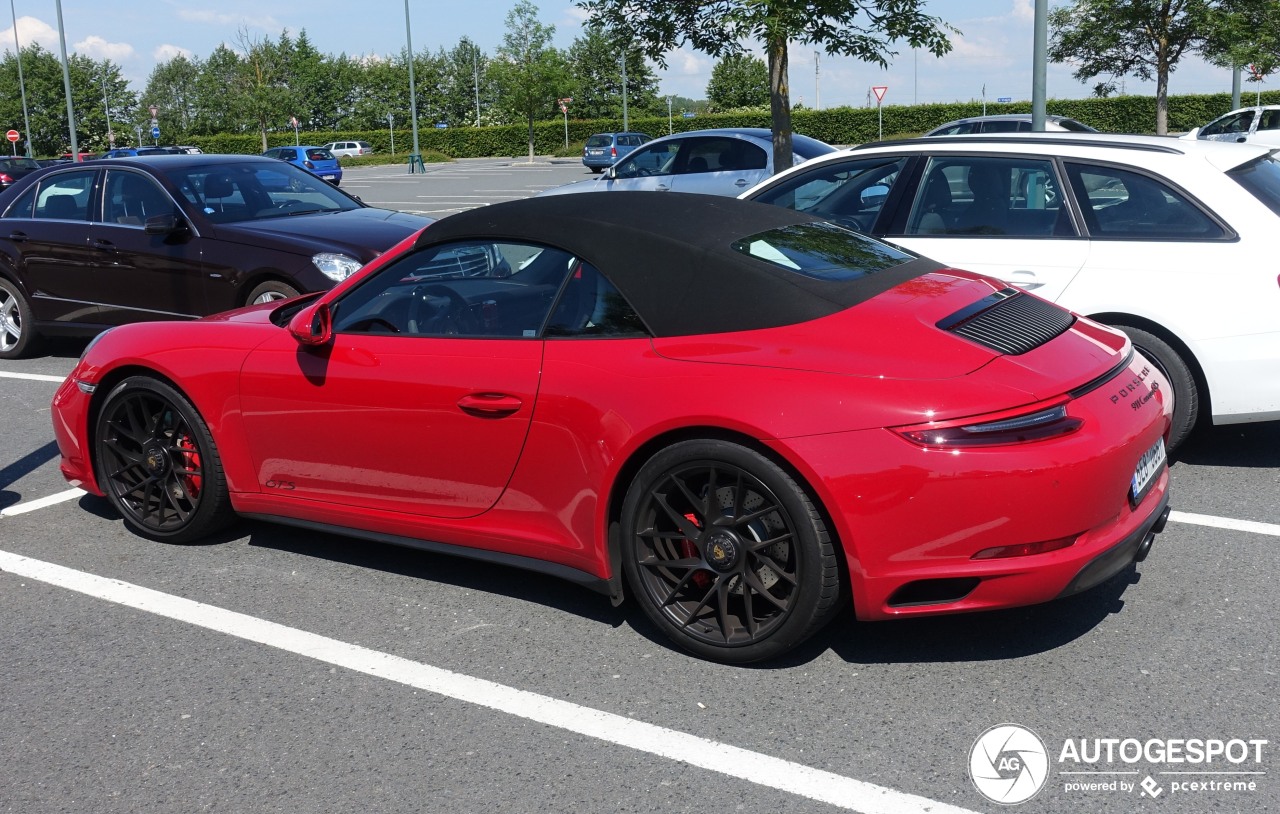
column 190, row 460
column 700, row 578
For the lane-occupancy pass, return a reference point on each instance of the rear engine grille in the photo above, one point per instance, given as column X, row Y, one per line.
column 1009, row 322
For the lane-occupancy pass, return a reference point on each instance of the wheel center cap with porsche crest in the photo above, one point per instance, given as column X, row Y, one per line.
column 722, row 550
column 155, row 460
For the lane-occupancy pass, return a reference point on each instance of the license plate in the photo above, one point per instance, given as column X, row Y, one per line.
column 1148, row 470
column 327, row 177
column 595, row 152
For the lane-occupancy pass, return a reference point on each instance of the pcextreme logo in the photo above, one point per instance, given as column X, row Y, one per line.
column 1009, row 764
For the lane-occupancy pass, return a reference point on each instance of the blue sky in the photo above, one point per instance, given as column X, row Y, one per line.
column 993, row 50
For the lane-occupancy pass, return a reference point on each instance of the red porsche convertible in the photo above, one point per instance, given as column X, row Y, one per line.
column 738, row 414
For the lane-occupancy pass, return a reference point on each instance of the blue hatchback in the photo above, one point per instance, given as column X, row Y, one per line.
column 316, row 160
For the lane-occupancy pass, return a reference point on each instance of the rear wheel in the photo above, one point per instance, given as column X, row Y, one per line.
column 157, row 463
column 17, row 328
column 727, row 553
column 1186, row 394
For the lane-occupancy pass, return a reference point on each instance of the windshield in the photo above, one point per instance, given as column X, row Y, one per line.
column 231, row 193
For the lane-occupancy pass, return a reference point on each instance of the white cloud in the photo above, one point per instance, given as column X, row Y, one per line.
column 97, row 48
column 166, row 52
column 1023, row 11
column 31, row 30
column 213, row 18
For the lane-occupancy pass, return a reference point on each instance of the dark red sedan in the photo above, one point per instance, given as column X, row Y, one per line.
column 740, row 415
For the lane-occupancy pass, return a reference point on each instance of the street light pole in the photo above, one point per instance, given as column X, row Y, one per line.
column 625, row 128
column 391, row 125
column 66, row 84
column 106, row 106
column 22, row 85
column 817, row 88
column 669, row 128
column 413, row 94
column 475, row 68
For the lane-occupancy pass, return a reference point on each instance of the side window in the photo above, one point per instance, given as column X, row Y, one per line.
column 1270, row 120
column 65, row 196
column 469, row 289
column 1014, row 197
column 1121, row 204
column 655, row 160
column 1002, row 126
column 722, row 155
column 131, row 198
column 851, row 193
column 590, row 306
column 21, row 208
column 1232, row 123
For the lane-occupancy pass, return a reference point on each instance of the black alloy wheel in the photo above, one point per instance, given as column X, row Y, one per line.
column 726, row 552
column 157, row 463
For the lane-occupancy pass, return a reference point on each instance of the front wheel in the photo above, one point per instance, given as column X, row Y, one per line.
column 157, row 463
column 271, row 291
column 1186, row 395
column 726, row 553
column 17, row 328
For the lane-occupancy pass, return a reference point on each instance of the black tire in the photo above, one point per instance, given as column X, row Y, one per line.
column 158, row 465
column 726, row 553
column 17, row 327
column 270, row 291
column 1186, row 394
column 596, row 170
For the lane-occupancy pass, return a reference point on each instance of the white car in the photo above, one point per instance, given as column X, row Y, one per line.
column 1170, row 240
column 1255, row 125
column 345, row 148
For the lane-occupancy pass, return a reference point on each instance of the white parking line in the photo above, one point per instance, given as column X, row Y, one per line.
column 35, row 377
column 1271, row 529
column 41, row 503
column 771, row 772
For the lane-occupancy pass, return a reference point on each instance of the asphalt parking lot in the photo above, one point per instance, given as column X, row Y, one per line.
column 274, row 669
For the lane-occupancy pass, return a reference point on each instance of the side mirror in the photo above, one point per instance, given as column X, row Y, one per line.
column 161, row 224
column 313, row 325
column 611, row 174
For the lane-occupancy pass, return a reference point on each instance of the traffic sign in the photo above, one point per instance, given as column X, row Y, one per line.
column 879, row 91
column 13, row 135
column 155, row 132
column 1005, row 99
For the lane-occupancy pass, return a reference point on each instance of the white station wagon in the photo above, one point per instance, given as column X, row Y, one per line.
column 1172, row 241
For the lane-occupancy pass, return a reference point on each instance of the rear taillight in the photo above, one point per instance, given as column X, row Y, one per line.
column 997, row 429
column 5, row 179
column 613, row 151
column 308, row 165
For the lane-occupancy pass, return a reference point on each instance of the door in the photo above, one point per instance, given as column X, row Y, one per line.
column 647, row 168
column 144, row 276
column 422, row 403
column 48, row 231
column 1004, row 217
column 719, row 165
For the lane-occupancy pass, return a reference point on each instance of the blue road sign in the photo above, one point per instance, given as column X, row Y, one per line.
column 1005, row 99
column 688, row 114
column 155, row 132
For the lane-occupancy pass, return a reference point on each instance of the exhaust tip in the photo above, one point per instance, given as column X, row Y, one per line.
column 1144, row 548
column 1161, row 520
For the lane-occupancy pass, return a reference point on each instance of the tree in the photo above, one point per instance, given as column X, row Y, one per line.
column 595, row 70
column 264, row 81
column 1245, row 32
column 221, row 99
column 173, row 88
column 530, row 73
column 1138, row 38
column 738, row 80
column 863, row 29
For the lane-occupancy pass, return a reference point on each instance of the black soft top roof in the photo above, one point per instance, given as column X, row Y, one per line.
column 671, row 256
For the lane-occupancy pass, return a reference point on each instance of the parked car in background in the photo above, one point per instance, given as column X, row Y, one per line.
column 1259, row 125
column 12, row 169
column 87, row 246
column 711, row 162
column 131, row 152
column 604, row 149
column 345, row 148
column 190, row 150
column 315, row 160
column 745, row 415
column 1008, row 123
column 1171, row 241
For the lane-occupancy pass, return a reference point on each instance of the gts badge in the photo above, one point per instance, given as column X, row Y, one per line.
column 286, row 485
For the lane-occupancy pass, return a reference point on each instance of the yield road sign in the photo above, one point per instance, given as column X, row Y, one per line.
column 879, row 91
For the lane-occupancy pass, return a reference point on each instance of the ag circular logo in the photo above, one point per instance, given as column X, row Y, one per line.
column 1008, row 764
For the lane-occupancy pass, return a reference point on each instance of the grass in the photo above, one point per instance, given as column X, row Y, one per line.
column 379, row 159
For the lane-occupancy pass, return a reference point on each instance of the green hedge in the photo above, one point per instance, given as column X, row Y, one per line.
column 844, row 125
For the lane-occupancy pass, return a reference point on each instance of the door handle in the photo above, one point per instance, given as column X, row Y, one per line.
column 741, row 182
column 104, row 245
column 489, row 405
column 18, row 236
